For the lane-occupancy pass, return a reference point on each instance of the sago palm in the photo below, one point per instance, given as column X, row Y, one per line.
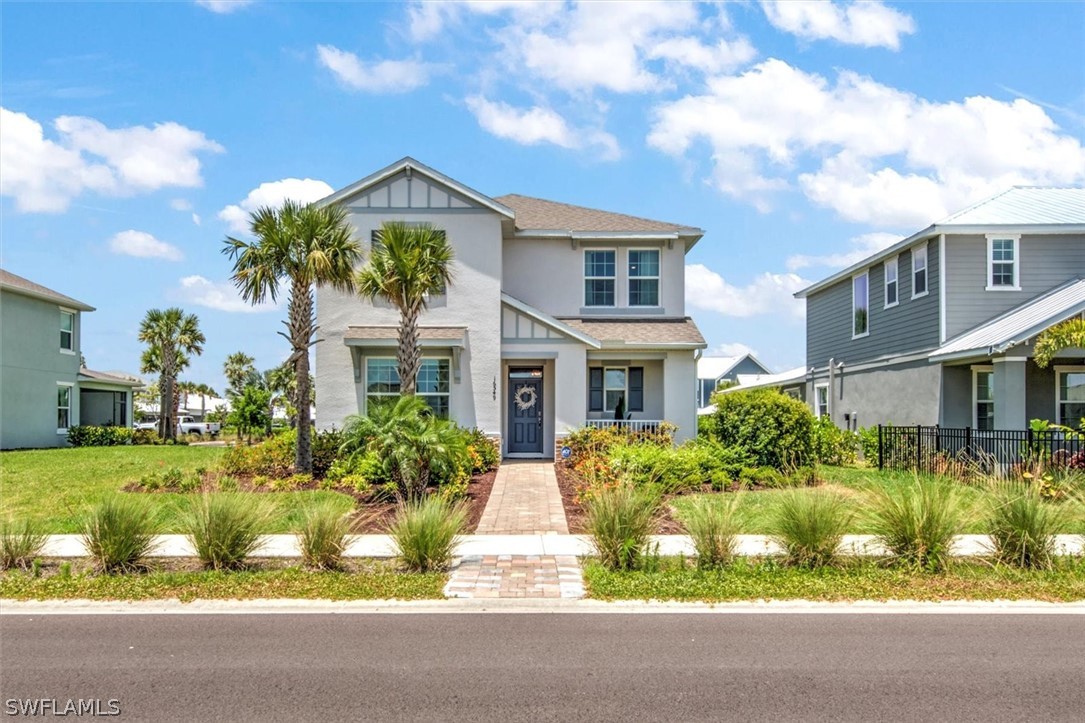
column 408, row 264
column 171, row 336
column 301, row 247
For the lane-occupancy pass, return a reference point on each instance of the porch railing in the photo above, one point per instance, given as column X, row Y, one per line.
column 626, row 425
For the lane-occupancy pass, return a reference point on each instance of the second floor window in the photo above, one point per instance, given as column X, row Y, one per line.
column 1001, row 263
column 67, row 331
column 644, row 277
column 919, row 271
column 599, row 275
column 860, row 305
column 891, row 284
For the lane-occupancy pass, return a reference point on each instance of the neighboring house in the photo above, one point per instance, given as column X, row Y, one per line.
column 939, row 328
column 557, row 316
column 792, row 383
column 43, row 390
column 713, row 370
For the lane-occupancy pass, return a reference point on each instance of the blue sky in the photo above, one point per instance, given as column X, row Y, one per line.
column 800, row 136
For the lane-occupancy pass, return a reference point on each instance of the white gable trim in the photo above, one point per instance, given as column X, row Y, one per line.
column 547, row 320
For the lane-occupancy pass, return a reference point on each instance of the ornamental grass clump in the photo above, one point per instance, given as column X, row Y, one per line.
column 809, row 525
column 712, row 525
column 224, row 528
column 20, row 543
column 917, row 522
column 322, row 535
column 424, row 532
column 1023, row 526
column 621, row 521
column 119, row 533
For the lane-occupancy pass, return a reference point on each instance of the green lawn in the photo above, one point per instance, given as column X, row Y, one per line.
column 56, row 486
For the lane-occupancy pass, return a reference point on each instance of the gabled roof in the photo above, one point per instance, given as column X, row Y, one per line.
column 1018, row 325
column 753, row 381
column 543, row 318
column 537, row 214
column 641, row 333
column 714, row 367
column 26, row 287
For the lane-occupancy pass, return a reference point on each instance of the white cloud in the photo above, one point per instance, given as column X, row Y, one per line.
column 724, row 56
column 223, row 7
column 536, row 125
column 381, row 76
column 731, row 349
column 181, row 204
column 767, row 294
column 872, row 153
column 868, row 23
column 272, row 194
column 143, row 245
column 861, row 247
column 196, row 219
column 44, row 175
column 221, row 295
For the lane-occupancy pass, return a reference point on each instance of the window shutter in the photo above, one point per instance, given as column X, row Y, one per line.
column 636, row 389
column 595, row 389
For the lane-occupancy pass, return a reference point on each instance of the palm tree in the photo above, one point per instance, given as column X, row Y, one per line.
column 184, row 388
column 409, row 264
column 302, row 246
column 1069, row 334
column 205, row 391
column 237, row 368
column 171, row 336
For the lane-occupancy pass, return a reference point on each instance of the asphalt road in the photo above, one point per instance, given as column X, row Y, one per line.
column 568, row 667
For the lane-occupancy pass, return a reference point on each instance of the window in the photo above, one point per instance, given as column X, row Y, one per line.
column 643, row 277
column 1002, row 264
column 919, row 271
column 860, row 305
column 821, row 400
column 599, row 273
column 983, row 398
column 891, row 282
column 433, row 385
column 64, row 407
column 67, row 330
column 382, row 383
column 613, row 389
column 1071, row 399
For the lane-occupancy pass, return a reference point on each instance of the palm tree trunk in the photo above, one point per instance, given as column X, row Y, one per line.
column 301, row 330
column 164, row 394
column 409, row 355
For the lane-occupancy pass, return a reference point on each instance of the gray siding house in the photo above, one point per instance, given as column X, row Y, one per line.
column 558, row 316
column 43, row 389
column 714, row 370
column 938, row 328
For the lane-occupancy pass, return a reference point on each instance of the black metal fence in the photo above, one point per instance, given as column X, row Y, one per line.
column 934, row 449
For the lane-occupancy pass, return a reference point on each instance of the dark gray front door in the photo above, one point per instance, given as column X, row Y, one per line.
column 525, row 416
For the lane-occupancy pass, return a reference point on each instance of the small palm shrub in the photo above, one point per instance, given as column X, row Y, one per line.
column 917, row 522
column 621, row 520
column 712, row 525
column 224, row 528
column 322, row 535
column 424, row 532
column 119, row 533
column 809, row 525
column 1023, row 526
column 20, row 542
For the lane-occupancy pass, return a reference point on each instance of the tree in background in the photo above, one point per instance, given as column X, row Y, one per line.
column 237, row 369
column 171, row 337
column 249, row 412
column 1069, row 334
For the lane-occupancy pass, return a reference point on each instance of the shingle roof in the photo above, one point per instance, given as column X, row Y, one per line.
column 20, row 285
column 1024, row 206
column 542, row 215
column 91, row 375
column 425, row 333
column 1018, row 325
column 640, row 332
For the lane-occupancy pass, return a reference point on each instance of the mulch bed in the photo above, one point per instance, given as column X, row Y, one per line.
column 568, row 482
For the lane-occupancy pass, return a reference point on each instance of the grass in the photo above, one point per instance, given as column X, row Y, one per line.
column 810, row 525
column 375, row 580
column 119, row 533
column 224, row 528
column 746, row 579
column 55, row 487
column 424, row 532
column 620, row 521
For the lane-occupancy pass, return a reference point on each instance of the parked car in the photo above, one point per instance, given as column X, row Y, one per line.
column 187, row 425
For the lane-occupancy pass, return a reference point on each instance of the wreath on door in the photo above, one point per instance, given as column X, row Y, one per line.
column 525, row 398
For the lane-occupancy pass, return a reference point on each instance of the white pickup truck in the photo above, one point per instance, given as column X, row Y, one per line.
column 187, row 425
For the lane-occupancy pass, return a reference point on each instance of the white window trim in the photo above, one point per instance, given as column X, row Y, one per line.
column 75, row 316
column 71, row 392
column 658, row 279
column 1063, row 369
column 365, row 381
column 893, row 263
column 853, row 307
column 613, row 278
column 978, row 369
column 921, row 249
column 624, row 390
column 1016, row 238
column 817, row 402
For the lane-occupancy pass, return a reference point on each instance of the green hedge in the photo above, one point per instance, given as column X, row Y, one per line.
column 775, row 429
column 90, row 436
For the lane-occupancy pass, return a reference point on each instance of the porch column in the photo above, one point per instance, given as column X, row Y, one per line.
column 679, row 395
column 1009, row 393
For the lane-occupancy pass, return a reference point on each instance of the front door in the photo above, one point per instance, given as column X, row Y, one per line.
column 525, row 412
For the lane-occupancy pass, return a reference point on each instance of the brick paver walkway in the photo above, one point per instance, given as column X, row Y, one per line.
column 524, row 501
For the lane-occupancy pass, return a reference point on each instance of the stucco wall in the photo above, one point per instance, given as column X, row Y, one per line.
column 899, row 394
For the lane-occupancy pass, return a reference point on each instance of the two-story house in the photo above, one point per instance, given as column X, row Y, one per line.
column 557, row 316
column 939, row 328
column 43, row 388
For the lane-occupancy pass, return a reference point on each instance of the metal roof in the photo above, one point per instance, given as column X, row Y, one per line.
column 714, row 367
column 91, row 375
column 1018, row 325
column 26, row 287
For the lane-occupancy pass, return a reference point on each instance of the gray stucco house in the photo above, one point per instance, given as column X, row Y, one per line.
column 557, row 316
column 939, row 328
column 43, row 389
column 713, row 370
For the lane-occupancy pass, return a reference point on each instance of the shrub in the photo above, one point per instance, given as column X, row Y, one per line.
column 833, row 445
column 868, row 444
column 119, row 532
column 325, row 445
column 145, row 436
column 775, row 429
column 20, row 543
column 489, row 454
column 589, row 442
column 424, row 532
column 228, row 484
column 1023, row 526
column 809, row 526
column 768, row 477
column 620, row 521
column 711, row 524
column 917, row 523
column 224, row 528
column 273, row 457
column 676, row 469
column 93, row 436
column 322, row 535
